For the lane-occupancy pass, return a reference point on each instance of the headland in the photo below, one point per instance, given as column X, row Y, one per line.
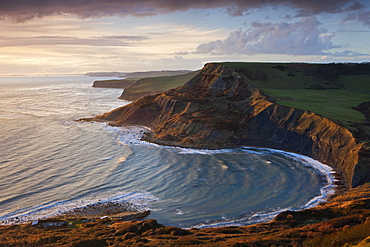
column 235, row 104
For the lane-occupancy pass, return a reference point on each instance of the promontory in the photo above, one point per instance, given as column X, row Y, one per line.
column 222, row 107
column 319, row 110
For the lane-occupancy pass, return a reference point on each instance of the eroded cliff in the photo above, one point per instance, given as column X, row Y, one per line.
column 220, row 108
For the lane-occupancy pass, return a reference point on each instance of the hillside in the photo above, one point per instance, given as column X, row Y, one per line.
column 155, row 77
column 221, row 106
column 117, row 83
column 331, row 90
column 154, row 85
column 266, row 105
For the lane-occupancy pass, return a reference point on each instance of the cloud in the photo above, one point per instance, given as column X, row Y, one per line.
column 181, row 53
column 363, row 17
column 299, row 38
column 23, row 10
column 65, row 40
column 347, row 53
column 168, row 63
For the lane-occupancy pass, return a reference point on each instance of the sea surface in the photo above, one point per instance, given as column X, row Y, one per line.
column 50, row 163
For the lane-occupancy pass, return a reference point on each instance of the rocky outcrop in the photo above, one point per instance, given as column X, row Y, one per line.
column 220, row 108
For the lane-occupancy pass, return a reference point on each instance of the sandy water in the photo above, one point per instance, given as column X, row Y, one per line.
column 50, row 163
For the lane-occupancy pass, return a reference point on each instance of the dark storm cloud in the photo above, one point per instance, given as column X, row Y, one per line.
column 65, row 40
column 22, row 10
column 363, row 17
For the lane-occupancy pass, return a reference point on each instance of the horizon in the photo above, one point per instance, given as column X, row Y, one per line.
column 75, row 38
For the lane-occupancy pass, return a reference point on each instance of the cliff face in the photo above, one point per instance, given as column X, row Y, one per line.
column 219, row 108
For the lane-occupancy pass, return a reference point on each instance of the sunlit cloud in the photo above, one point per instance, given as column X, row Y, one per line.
column 65, row 40
column 78, row 36
column 304, row 37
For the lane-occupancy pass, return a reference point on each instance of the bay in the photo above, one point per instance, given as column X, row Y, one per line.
column 50, row 163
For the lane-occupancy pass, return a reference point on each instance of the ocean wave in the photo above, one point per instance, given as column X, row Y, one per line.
column 247, row 219
column 133, row 136
column 320, row 168
column 138, row 201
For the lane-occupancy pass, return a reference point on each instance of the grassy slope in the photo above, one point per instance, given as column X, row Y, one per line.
column 147, row 81
column 343, row 221
column 296, row 85
column 162, row 83
column 335, row 104
column 154, row 85
column 130, row 80
column 116, row 83
column 146, row 74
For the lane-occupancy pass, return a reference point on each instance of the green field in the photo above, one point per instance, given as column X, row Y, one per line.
column 335, row 104
column 163, row 83
column 330, row 90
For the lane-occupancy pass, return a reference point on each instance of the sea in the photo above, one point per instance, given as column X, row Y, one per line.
column 50, row 163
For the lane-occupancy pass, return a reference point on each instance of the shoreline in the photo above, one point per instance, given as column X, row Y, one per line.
column 334, row 183
column 117, row 210
column 99, row 210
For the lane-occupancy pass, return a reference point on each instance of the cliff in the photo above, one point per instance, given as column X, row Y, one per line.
column 155, row 85
column 123, row 83
column 220, row 108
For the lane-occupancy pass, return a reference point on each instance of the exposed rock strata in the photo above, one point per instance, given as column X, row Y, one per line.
column 219, row 108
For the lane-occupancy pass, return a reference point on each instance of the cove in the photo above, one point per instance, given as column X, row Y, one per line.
column 213, row 188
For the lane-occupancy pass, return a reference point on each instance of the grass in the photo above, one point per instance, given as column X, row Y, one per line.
column 335, row 104
column 163, row 83
column 330, row 90
column 291, row 84
column 275, row 75
column 129, row 80
column 346, row 237
column 359, row 83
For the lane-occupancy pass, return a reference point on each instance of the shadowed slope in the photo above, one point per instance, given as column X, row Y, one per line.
column 220, row 108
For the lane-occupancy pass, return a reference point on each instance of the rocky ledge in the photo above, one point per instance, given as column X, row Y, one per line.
column 220, row 108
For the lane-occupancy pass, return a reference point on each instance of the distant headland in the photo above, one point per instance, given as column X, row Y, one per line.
column 318, row 110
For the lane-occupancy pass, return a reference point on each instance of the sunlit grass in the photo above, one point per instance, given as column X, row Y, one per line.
column 335, row 104
column 162, row 83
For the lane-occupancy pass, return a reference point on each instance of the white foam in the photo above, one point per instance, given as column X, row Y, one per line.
column 130, row 135
column 248, row 219
column 327, row 171
column 140, row 201
column 133, row 136
column 179, row 211
column 325, row 192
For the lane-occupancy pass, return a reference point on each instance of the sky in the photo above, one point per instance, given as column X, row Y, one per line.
column 53, row 37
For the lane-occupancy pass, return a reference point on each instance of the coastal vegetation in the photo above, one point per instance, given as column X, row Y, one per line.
column 225, row 105
column 138, row 84
column 116, row 83
column 316, row 110
column 343, row 221
column 331, row 90
column 154, row 85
